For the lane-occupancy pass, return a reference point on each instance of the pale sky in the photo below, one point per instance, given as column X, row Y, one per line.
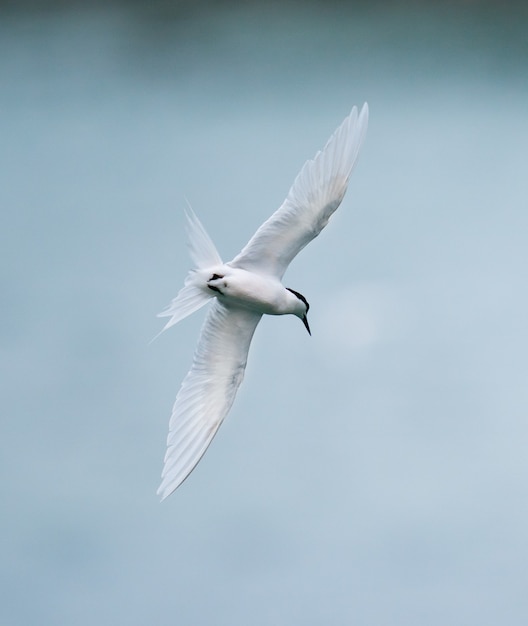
column 374, row 473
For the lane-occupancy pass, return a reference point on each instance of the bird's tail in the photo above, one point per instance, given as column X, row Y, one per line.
column 204, row 255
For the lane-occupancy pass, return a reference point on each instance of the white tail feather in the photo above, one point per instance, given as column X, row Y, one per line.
column 190, row 298
column 194, row 294
column 201, row 248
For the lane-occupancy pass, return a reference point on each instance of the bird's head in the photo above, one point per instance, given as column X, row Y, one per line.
column 301, row 308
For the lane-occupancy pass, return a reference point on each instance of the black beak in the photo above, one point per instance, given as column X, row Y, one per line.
column 306, row 325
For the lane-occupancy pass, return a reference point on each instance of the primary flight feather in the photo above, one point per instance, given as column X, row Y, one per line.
column 243, row 290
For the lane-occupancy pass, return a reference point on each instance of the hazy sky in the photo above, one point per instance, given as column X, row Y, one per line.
column 373, row 474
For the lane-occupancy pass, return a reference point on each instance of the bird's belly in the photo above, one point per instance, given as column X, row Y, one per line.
column 260, row 293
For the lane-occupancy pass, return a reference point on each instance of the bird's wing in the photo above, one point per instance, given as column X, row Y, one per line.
column 208, row 390
column 314, row 196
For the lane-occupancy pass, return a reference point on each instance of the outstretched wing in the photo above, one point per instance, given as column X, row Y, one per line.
column 313, row 197
column 208, row 390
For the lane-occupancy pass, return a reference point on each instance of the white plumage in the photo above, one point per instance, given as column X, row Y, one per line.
column 243, row 290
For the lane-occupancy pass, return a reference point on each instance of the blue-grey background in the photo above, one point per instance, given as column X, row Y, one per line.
column 374, row 474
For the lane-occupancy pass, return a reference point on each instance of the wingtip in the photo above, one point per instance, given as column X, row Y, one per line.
column 364, row 113
column 162, row 495
column 165, row 490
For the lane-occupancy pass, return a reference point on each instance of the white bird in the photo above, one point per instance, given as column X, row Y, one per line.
column 243, row 290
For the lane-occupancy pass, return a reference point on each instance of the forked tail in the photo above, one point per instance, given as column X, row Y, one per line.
column 204, row 255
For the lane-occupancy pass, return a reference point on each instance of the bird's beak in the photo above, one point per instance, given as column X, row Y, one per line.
column 306, row 325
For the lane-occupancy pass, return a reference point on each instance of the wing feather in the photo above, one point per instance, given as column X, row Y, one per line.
column 208, row 390
column 314, row 196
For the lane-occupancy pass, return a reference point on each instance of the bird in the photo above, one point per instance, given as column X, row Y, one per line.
column 243, row 290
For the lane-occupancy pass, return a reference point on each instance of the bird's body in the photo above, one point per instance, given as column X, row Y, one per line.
column 243, row 290
column 261, row 293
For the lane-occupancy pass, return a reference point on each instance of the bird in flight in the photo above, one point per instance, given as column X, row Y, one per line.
column 244, row 289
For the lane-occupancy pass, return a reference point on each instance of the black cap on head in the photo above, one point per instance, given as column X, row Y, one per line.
column 301, row 298
column 305, row 301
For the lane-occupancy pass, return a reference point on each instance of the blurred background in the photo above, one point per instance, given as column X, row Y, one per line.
column 374, row 474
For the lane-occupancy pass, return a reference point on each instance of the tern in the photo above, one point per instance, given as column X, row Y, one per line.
column 243, row 290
